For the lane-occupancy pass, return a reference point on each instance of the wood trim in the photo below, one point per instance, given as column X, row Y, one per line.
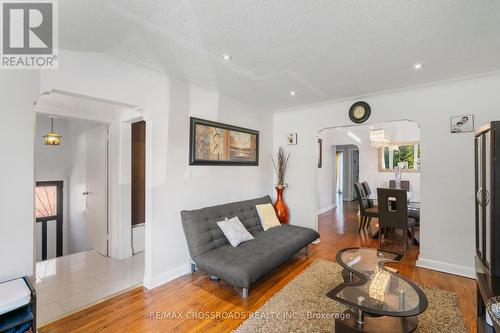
column 138, row 170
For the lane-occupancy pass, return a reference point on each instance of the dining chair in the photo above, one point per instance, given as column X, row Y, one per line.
column 366, row 213
column 404, row 184
column 393, row 213
column 368, row 191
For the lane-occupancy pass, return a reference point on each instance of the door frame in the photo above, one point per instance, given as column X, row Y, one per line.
column 119, row 233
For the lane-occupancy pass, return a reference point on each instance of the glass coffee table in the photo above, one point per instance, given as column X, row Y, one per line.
column 379, row 299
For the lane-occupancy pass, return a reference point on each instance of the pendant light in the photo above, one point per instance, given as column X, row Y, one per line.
column 379, row 139
column 52, row 139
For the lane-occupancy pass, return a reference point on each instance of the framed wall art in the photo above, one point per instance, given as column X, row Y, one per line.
column 291, row 138
column 461, row 124
column 212, row 143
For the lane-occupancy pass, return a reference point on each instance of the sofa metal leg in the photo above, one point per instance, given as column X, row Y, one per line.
column 245, row 293
column 214, row 278
column 193, row 267
column 306, row 250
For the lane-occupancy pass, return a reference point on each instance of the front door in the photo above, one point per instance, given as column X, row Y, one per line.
column 97, row 188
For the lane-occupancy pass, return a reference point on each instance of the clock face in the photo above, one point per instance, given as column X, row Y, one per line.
column 359, row 112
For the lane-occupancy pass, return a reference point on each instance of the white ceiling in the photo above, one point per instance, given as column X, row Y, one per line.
column 322, row 49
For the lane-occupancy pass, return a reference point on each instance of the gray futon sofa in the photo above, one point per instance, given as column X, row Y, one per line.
column 243, row 265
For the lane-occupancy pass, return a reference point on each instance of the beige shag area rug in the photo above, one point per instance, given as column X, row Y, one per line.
column 302, row 306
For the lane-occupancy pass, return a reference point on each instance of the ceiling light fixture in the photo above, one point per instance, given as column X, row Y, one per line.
column 417, row 66
column 379, row 138
column 226, row 57
column 52, row 138
column 292, row 93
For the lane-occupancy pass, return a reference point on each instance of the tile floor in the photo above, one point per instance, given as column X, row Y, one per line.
column 68, row 283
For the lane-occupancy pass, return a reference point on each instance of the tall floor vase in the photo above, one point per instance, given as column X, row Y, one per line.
column 280, row 206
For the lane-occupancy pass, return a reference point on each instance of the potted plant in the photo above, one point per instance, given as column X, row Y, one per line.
column 280, row 164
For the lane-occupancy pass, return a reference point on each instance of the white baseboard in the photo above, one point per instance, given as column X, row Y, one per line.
column 447, row 268
column 327, row 208
column 165, row 277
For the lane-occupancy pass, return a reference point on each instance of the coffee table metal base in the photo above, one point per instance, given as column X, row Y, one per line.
column 382, row 324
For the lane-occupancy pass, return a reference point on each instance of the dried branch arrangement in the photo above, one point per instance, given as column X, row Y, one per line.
column 280, row 165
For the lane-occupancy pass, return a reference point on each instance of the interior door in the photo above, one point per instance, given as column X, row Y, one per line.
column 97, row 188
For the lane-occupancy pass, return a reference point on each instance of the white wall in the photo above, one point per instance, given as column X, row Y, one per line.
column 447, row 175
column 200, row 186
column 18, row 91
column 167, row 105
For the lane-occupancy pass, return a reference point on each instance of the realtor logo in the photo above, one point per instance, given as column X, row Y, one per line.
column 29, row 34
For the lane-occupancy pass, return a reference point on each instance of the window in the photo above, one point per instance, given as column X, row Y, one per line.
column 45, row 202
column 403, row 154
column 49, row 210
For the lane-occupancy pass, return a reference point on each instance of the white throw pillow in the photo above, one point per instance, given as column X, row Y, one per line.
column 267, row 216
column 234, row 231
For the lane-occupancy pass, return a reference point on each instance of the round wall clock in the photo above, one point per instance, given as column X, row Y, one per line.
column 359, row 112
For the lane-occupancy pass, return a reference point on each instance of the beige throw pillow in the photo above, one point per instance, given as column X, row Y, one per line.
column 267, row 216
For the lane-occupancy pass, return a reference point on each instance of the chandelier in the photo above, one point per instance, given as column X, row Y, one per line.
column 52, row 138
column 378, row 138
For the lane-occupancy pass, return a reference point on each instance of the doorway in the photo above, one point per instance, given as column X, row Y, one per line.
column 369, row 154
column 92, row 260
column 347, row 171
column 71, row 195
column 339, row 162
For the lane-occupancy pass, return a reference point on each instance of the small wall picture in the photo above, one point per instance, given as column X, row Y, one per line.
column 291, row 138
column 461, row 124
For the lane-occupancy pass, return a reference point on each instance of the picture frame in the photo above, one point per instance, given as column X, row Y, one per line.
column 214, row 143
column 291, row 138
column 462, row 124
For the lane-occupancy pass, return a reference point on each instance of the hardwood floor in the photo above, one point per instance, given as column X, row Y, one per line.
column 142, row 310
